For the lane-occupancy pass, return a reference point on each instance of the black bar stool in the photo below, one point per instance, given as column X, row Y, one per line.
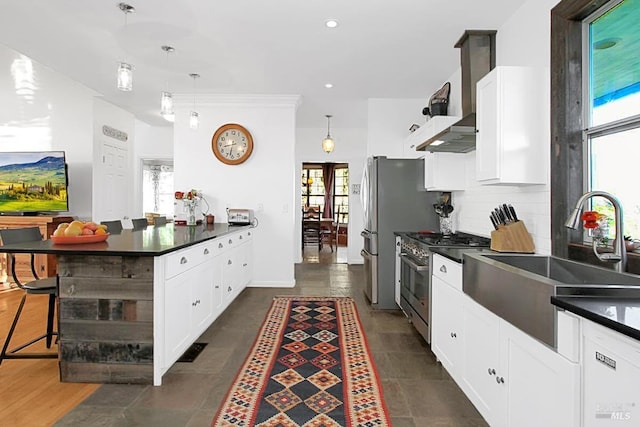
column 44, row 286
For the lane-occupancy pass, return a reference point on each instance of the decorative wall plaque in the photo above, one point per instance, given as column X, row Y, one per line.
column 115, row 133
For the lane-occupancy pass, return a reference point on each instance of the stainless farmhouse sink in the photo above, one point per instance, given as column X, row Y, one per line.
column 518, row 288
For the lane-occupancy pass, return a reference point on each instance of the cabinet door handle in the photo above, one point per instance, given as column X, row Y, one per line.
column 240, row 237
column 230, row 241
column 492, row 371
column 454, row 335
column 500, row 380
column 183, row 260
column 206, row 251
column 229, row 262
column 220, row 246
column 229, row 289
column 248, row 233
column 244, row 265
column 217, row 287
column 443, row 268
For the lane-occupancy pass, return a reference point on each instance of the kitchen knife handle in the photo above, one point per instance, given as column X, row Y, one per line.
column 493, row 221
column 512, row 211
column 506, row 212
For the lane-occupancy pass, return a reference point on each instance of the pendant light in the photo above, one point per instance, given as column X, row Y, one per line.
column 194, row 119
column 125, row 70
column 328, row 143
column 166, row 98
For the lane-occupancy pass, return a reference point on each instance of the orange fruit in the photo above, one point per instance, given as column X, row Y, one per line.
column 100, row 231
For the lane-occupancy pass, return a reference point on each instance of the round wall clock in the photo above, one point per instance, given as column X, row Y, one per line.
column 232, row 144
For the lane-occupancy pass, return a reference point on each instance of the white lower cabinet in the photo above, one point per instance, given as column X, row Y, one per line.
column 482, row 375
column 513, row 379
column 542, row 387
column 199, row 283
column 446, row 331
column 611, row 375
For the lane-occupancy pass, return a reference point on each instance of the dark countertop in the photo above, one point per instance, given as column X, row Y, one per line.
column 152, row 241
column 620, row 314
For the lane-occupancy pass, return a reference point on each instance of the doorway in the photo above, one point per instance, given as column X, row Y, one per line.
column 325, row 191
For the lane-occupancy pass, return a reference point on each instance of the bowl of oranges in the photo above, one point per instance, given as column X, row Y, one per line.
column 75, row 232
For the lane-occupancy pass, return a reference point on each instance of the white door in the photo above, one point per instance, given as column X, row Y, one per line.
column 114, row 193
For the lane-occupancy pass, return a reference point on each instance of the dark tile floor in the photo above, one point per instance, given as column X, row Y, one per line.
column 418, row 391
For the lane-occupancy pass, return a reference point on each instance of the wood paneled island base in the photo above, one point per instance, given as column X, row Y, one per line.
column 106, row 313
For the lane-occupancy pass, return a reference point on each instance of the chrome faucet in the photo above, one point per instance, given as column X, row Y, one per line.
column 619, row 255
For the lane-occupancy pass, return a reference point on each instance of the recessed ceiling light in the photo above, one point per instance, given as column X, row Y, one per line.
column 328, row 85
column 331, row 23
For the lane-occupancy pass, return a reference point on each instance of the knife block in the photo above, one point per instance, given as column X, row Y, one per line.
column 512, row 237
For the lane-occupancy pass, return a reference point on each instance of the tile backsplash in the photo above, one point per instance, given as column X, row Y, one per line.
column 531, row 202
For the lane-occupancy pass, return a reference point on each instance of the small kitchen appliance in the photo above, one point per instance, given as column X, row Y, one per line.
column 240, row 216
column 415, row 271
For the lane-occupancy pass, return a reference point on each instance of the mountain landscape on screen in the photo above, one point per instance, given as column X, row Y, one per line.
column 33, row 182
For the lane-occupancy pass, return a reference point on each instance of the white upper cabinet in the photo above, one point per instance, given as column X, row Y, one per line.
column 512, row 121
column 444, row 172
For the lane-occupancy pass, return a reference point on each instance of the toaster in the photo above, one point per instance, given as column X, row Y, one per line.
column 240, row 216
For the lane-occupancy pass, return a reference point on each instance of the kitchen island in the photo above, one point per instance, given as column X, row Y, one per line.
column 130, row 306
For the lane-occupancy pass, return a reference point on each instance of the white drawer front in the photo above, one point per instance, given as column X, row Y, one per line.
column 447, row 270
column 180, row 261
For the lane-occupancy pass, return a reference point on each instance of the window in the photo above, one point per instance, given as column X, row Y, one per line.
column 341, row 193
column 313, row 190
column 157, row 187
column 312, row 187
column 613, row 118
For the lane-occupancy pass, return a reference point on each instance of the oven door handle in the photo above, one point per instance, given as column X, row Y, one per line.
column 405, row 258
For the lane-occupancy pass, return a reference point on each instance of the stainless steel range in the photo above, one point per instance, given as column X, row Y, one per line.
column 415, row 272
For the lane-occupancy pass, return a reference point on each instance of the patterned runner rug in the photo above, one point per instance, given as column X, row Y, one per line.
column 309, row 366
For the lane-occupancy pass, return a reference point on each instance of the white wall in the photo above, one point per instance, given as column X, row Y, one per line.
column 267, row 178
column 44, row 110
column 350, row 148
column 523, row 40
column 388, row 123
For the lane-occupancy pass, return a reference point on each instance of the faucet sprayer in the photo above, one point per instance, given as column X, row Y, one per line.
column 619, row 255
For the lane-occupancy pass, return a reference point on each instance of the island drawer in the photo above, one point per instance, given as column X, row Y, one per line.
column 182, row 260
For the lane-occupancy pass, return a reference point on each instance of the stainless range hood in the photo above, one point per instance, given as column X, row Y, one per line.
column 477, row 49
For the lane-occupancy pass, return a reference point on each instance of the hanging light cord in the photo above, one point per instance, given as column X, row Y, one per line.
column 328, row 126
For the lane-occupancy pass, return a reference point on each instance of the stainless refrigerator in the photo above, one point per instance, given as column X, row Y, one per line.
column 393, row 200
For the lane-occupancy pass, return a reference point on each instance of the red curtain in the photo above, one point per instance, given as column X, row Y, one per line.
column 328, row 174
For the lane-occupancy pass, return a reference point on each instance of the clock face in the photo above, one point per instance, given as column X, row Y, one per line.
column 232, row 144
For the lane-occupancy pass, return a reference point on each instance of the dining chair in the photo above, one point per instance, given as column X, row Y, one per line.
column 311, row 230
column 38, row 286
column 113, row 227
column 139, row 223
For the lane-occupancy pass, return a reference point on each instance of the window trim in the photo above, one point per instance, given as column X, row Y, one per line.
column 567, row 113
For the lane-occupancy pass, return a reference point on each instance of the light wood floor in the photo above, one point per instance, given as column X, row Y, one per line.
column 31, row 393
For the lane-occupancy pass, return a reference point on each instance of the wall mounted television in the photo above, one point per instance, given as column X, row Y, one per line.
column 33, row 183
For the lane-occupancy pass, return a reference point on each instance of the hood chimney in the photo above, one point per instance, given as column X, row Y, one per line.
column 477, row 58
